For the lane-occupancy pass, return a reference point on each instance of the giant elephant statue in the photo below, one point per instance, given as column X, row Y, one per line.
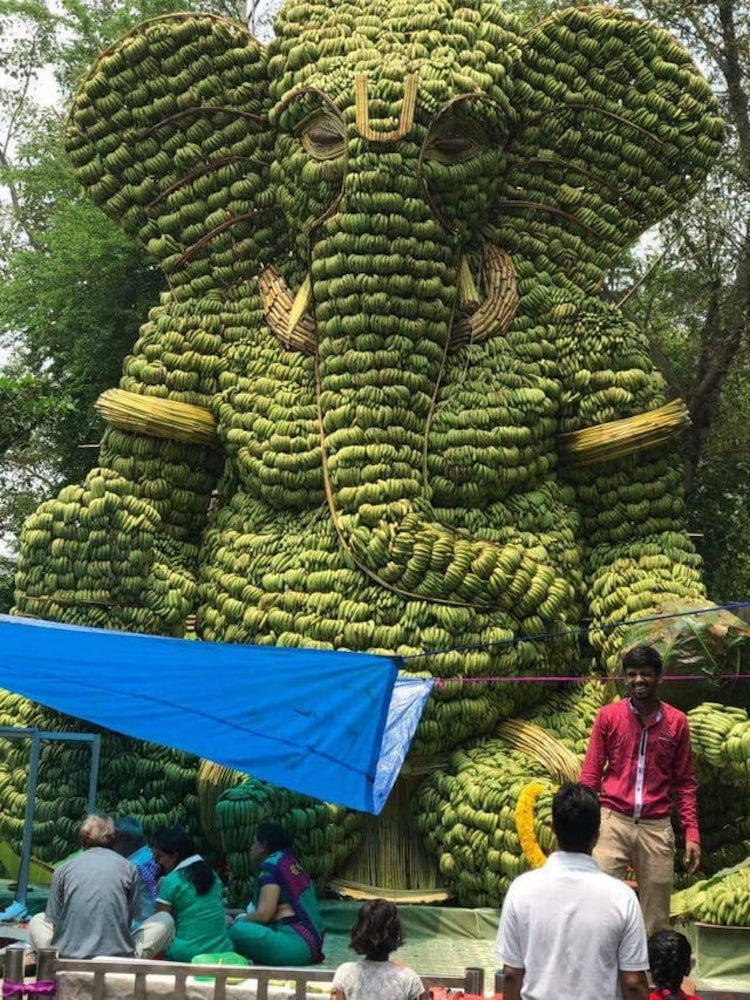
column 383, row 405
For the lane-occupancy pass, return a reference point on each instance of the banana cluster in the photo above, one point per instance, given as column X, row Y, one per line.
column 603, row 97
column 721, row 745
column 153, row 783
column 274, row 577
column 723, row 899
column 721, row 734
column 324, row 835
column 467, row 816
column 568, row 716
column 722, row 802
column 95, row 556
column 161, row 134
column 467, row 812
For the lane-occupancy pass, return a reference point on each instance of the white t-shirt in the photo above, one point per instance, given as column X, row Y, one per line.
column 368, row 980
column 573, row 929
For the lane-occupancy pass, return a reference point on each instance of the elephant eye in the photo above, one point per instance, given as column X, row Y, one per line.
column 455, row 143
column 451, row 148
column 324, row 140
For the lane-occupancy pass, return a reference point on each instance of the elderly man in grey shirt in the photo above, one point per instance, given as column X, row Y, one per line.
column 93, row 899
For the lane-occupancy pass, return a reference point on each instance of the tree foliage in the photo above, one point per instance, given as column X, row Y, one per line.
column 693, row 296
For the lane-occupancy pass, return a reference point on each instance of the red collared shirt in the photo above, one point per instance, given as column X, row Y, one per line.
column 645, row 765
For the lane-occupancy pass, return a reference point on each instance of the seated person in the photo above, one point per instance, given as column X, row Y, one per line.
column 130, row 842
column 93, row 901
column 153, row 931
column 284, row 925
column 191, row 892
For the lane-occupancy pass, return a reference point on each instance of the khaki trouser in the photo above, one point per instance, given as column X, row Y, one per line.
column 151, row 938
column 646, row 845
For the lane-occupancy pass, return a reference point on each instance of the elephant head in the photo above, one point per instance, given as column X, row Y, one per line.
column 416, row 186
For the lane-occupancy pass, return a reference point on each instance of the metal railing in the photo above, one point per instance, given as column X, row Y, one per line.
column 49, row 966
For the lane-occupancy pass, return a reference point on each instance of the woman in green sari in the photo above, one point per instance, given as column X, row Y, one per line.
column 283, row 925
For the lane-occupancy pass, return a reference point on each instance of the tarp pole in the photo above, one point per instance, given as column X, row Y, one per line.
column 96, row 750
column 28, row 820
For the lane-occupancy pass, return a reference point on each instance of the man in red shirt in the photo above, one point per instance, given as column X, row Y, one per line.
column 640, row 760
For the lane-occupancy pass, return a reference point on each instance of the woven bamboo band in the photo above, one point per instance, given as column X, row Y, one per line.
column 619, row 438
column 157, row 417
column 176, row 421
column 560, row 763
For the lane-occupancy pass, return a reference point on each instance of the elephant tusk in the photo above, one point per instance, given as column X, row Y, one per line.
column 301, row 304
column 468, row 295
column 497, row 311
column 287, row 316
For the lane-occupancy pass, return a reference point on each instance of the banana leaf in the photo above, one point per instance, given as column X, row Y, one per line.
column 706, row 651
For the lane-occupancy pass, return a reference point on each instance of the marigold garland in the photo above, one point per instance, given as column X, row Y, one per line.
column 525, row 824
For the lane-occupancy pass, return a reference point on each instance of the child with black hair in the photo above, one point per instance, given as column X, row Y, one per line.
column 375, row 935
column 669, row 956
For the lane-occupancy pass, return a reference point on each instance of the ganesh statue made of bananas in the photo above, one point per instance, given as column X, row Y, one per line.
column 382, row 405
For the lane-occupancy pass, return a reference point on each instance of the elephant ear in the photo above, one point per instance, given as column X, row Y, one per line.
column 167, row 134
column 617, row 128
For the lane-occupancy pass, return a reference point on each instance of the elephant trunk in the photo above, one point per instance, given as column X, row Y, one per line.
column 385, row 292
column 384, row 303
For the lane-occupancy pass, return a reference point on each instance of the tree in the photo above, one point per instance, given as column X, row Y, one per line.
column 695, row 299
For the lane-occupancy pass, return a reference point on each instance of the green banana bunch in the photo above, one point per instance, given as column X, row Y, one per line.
column 717, row 733
column 467, row 816
column 723, row 899
column 324, row 835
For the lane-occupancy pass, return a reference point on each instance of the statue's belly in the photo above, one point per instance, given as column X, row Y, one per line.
column 282, row 578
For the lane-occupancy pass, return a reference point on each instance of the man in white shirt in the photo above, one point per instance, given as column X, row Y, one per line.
column 567, row 929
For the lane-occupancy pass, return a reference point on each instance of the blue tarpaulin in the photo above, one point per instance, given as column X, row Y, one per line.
column 333, row 725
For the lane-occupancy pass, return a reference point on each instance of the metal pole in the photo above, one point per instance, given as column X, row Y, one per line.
column 28, row 820
column 475, row 981
column 17, row 909
column 45, row 965
column 499, row 981
column 14, row 963
column 96, row 749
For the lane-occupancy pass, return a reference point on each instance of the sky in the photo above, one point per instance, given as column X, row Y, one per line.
column 46, row 91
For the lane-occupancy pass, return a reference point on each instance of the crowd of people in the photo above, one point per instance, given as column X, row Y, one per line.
column 120, row 897
column 570, row 928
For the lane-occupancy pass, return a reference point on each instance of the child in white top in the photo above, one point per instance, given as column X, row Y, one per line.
column 376, row 934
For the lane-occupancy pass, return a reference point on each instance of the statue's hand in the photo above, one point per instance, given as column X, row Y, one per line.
column 93, row 556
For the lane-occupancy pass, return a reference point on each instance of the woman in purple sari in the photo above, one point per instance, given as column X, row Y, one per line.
column 283, row 925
